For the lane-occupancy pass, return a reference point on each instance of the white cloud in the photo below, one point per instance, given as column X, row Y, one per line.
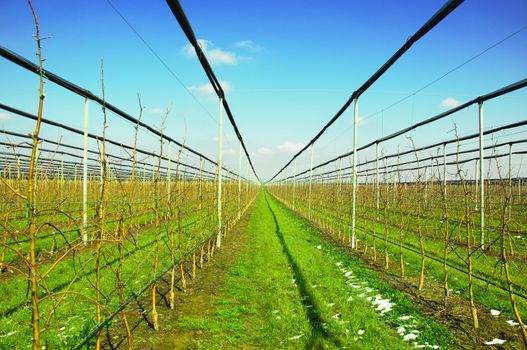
column 207, row 89
column 214, row 55
column 5, row 116
column 290, row 147
column 265, row 151
column 450, row 102
column 249, row 45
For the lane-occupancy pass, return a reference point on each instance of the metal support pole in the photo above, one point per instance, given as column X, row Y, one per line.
column 354, row 183
column 247, row 179
column 339, row 177
column 220, row 132
column 310, row 182
column 510, row 182
column 200, row 185
column 18, row 173
column 444, row 171
column 62, row 174
column 481, row 179
column 294, row 184
column 240, row 181
column 476, row 177
column 85, row 175
column 169, row 174
column 377, row 181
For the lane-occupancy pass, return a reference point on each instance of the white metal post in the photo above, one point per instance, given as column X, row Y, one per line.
column 354, row 183
column 481, row 179
column 294, row 184
column 240, row 182
column 169, row 174
column 510, row 182
column 310, row 182
column 220, row 132
column 18, row 174
column 85, row 175
column 444, row 172
column 339, row 177
column 62, row 174
column 247, row 179
column 377, row 181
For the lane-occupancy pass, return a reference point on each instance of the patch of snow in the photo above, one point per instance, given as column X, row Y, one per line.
column 369, row 290
column 512, row 323
column 401, row 330
column 296, row 337
column 347, row 274
column 495, row 341
column 361, row 332
column 404, row 318
column 425, row 345
column 369, row 298
column 383, row 305
column 495, row 312
column 409, row 336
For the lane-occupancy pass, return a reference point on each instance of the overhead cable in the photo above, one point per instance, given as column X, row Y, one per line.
column 443, row 12
column 184, row 23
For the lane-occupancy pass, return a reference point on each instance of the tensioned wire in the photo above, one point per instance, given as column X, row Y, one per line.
column 480, row 99
column 99, row 138
column 381, row 111
column 450, row 6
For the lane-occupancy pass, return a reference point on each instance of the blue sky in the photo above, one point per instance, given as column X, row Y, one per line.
column 287, row 66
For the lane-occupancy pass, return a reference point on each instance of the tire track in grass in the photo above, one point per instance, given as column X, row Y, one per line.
column 257, row 306
column 363, row 289
column 310, row 305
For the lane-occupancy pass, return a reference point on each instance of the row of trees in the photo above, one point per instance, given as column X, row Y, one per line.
column 86, row 245
column 425, row 214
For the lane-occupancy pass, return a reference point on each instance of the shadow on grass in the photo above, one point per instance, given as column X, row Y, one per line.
column 318, row 332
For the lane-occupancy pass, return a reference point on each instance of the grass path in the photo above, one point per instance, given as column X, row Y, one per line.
column 286, row 289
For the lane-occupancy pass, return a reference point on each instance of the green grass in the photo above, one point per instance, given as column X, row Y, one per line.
column 75, row 317
column 261, row 307
column 484, row 265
